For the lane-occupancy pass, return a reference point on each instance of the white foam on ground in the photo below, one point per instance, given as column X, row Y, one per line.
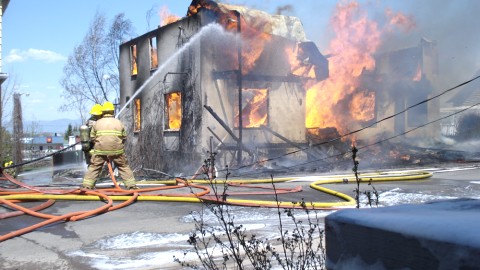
column 140, row 239
column 251, row 219
column 149, row 260
column 241, row 214
column 397, row 196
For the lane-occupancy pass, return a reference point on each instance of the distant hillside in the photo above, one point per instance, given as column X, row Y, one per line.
column 51, row 126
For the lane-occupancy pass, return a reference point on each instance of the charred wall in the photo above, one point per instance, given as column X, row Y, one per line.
column 154, row 145
column 402, row 79
column 270, row 70
column 200, row 61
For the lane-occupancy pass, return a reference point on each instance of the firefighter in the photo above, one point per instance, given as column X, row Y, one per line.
column 96, row 113
column 87, row 144
column 108, row 135
column 10, row 171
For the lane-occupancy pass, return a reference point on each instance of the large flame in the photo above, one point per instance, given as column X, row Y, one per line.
column 362, row 106
column 334, row 102
column 338, row 103
column 298, row 67
column 255, row 108
column 254, row 33
column 174, row 107
column 252, row 39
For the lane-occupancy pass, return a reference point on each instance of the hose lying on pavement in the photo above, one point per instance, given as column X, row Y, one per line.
column 197, row 191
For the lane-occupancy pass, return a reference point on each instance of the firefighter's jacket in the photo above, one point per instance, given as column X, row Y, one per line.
column 108, row 134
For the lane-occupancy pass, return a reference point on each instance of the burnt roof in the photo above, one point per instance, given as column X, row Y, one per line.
column 280, row 25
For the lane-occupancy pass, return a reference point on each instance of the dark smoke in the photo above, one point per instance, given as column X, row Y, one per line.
column 282, row 9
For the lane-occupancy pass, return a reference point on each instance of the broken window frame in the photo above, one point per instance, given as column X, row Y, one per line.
column 153, row 52
column 244, row 105
column 137, row 115
column 133, row 60
column 167, row 111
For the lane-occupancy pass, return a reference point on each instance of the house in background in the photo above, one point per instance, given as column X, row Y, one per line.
column 40, row 146
column 403, row 78
column 465, row 101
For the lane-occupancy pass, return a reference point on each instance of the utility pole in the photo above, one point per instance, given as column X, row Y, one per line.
column 17, row 131
column 3, row 77
column 239, row 79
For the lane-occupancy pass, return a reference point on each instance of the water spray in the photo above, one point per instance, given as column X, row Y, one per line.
column 212, row 28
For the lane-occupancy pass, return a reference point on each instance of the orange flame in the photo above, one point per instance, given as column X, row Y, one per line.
column 166, row 17
column 133, row 60
column 329, row 102
column 252, row 39
column 255, row 110
column 362, row 106
column 418, row 75
column 137, row 115
column 174, row 108
column 399, row 19
column 298, row 67
column 254, row 34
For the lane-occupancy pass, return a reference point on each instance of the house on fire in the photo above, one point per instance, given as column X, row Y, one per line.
column 193, row 86
column 402, row 79
column 225, row 79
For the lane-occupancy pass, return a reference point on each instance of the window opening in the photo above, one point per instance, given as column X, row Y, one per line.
column 254, row 108
column 153, row 53
column 173, row 111
column 137, row 116
column 362, row 106
column 133, row 60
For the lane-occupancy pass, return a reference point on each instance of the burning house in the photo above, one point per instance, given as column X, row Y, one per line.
column 224, row 78
column 250, row 86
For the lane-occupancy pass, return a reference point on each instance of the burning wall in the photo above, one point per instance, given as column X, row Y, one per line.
column 290, row 93
column 199, row 64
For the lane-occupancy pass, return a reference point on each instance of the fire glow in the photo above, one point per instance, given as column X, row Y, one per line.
column 174, row 110
column 255, row 108
column 339, row 102
column 357, row 38
column 166, row 17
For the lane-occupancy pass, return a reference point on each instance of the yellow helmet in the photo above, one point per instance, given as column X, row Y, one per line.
column 107, row 106
column 96, row 110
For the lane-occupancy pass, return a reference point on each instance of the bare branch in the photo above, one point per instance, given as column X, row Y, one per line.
column 91, row 72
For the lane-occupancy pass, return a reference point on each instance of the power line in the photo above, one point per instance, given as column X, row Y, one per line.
column 372, row 144
column 371, row 125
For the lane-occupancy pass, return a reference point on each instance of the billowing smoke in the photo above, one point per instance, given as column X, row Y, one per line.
column 451, row 24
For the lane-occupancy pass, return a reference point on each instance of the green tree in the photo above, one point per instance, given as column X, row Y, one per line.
column 69, row 132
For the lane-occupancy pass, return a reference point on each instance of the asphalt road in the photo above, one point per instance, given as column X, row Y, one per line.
column 146, row 235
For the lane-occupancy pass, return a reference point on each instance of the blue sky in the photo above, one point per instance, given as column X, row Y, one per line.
column 38, row 36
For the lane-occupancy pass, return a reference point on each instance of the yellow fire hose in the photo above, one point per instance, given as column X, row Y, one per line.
column 319, row 180
column 36, row 194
